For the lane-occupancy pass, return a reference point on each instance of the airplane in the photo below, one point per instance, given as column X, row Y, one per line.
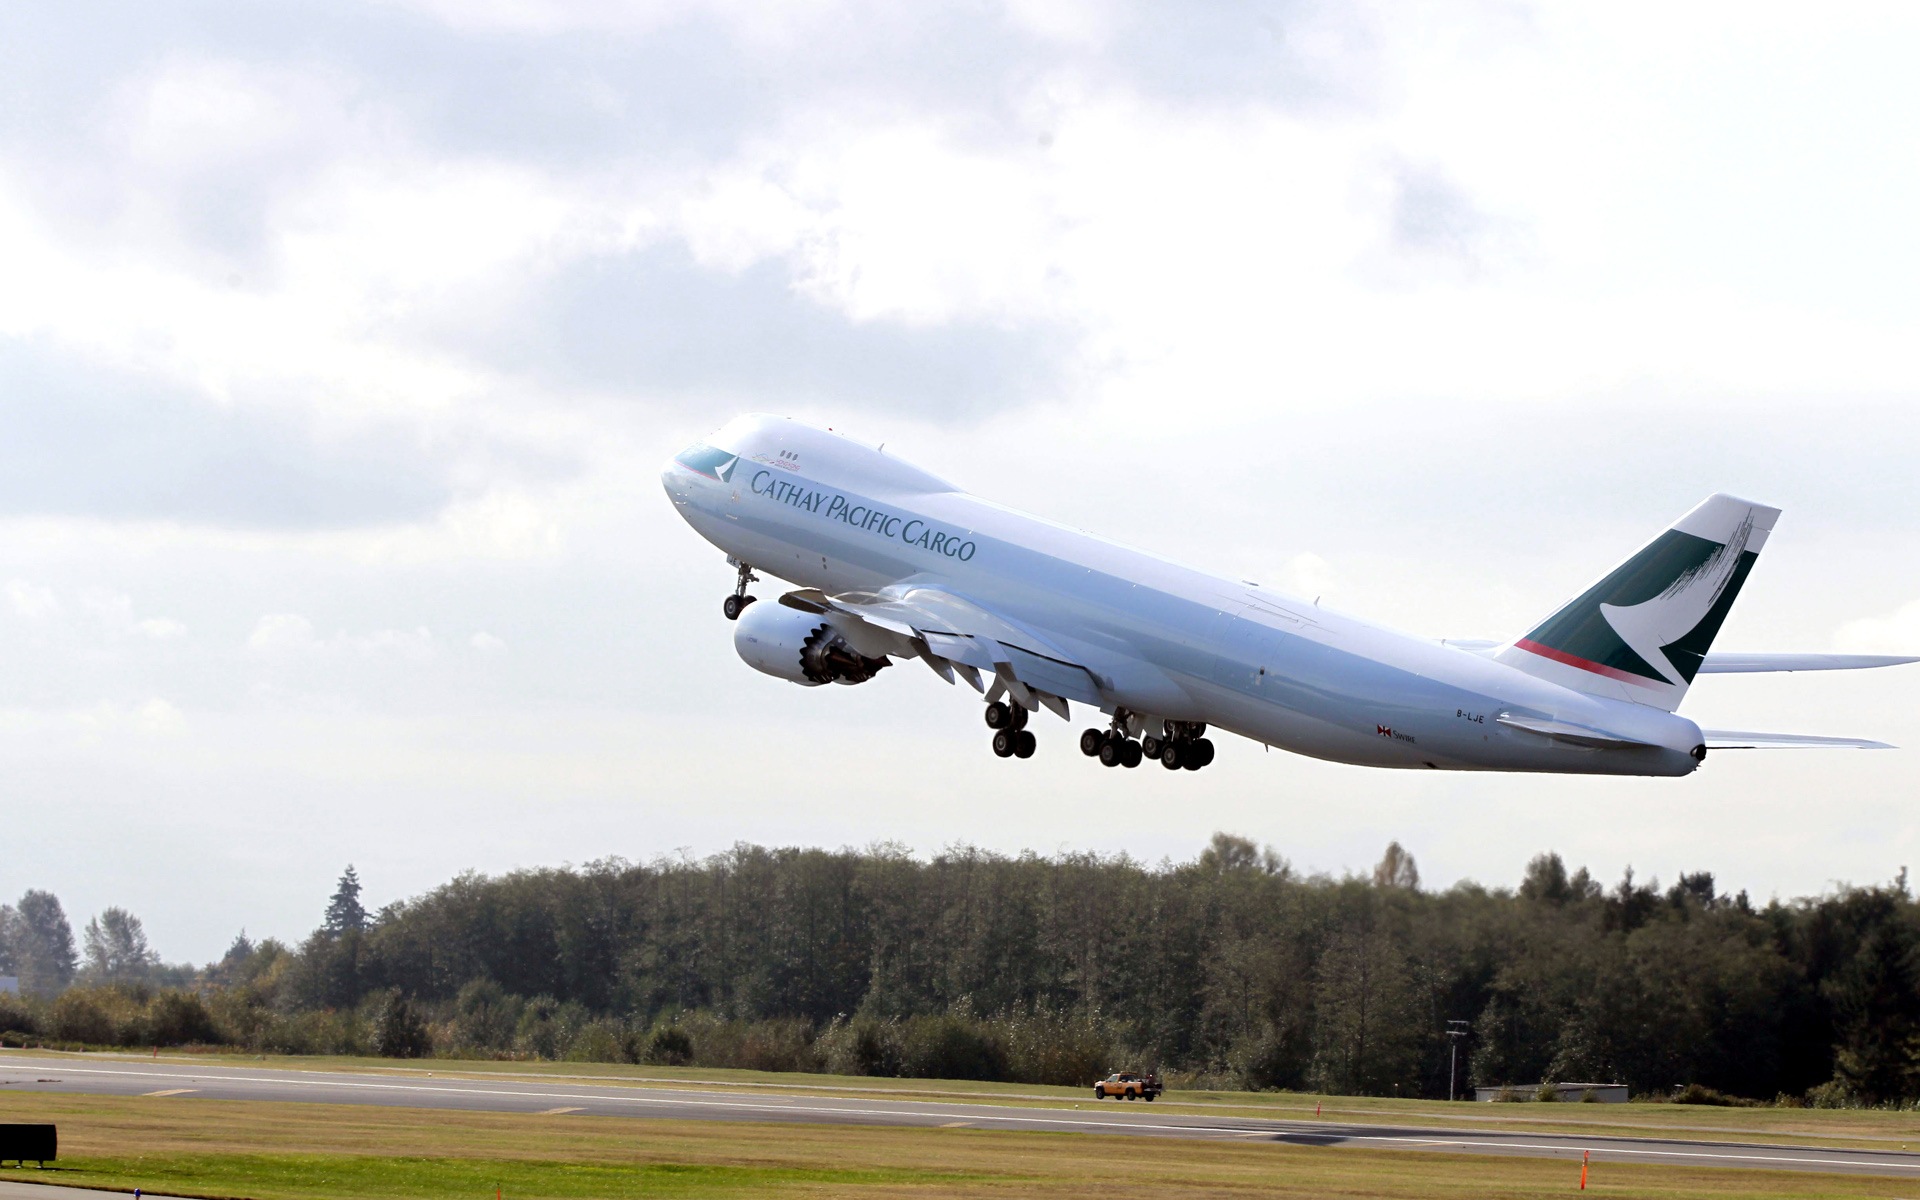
column 892, row 563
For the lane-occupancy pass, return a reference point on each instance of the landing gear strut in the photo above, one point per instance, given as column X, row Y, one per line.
column 737, row 603
column 1009, row 725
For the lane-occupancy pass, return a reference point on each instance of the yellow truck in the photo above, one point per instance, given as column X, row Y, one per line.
column 1128, row 1085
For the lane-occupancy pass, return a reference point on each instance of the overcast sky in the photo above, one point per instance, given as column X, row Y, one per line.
column 341, row 345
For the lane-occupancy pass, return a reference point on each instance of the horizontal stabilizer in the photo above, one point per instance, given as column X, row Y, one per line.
column 1727, row 739
column 1565, row 731
column 1731, row 663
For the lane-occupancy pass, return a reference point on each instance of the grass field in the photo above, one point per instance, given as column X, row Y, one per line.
column 1832, row 1128
column 271, row 1151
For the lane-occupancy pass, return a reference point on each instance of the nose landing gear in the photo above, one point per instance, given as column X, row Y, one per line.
column 737, row 603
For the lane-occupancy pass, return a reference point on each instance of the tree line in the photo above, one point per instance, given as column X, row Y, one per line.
column 1229, row 970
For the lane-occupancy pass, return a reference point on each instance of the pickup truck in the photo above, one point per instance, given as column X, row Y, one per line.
column 1128, row 1085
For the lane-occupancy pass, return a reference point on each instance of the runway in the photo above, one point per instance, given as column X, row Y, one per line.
column 28, row 1072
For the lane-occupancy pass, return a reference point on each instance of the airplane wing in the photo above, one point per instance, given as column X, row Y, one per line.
column 1730, row 663
column 953, row 635
column 1727, row 739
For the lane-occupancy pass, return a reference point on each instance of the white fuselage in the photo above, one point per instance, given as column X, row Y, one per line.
column 1160, row 639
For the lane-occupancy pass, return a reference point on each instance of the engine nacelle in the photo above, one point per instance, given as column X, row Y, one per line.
column 799, row 647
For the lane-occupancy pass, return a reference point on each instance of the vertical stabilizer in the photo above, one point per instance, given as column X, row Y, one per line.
column 1641, row 632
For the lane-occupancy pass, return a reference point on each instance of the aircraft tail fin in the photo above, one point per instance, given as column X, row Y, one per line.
column 1642, row 632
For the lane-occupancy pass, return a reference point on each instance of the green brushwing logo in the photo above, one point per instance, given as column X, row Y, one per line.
column 1652, row 620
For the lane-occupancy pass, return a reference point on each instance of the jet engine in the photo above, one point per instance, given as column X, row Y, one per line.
column 800, row 647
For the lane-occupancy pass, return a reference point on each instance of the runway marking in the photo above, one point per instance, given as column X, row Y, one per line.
column 171, row 1092
column 1062, row 1117
column 554, row 1112
column 956, row 1124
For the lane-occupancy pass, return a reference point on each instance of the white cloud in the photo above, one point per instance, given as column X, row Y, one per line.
column 1898, row 632
column 31, row 600
column 288, row 637
column 1309, row 576
column 1358, row 298
column 157, row 716
column 282, row 635
column 486, row 643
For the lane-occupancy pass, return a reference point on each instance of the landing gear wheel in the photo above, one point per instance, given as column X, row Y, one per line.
column 1170, row 756
column 1133, row 755
column 999, row 716
column 1150, row 746
column 1023, row 744
column 737, row 603
column 1003, row 743
column 1111, row 751
column 1090, row 742
column 1203, row 750
column 1019, row 717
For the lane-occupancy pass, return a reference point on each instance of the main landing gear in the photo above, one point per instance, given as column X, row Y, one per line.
column 1112, row 746
column 1182, row 747
column 1010, row 736
column 737, row 603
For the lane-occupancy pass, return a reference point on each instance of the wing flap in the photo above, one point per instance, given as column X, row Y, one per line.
column 1728, row 739
column 1734, row 663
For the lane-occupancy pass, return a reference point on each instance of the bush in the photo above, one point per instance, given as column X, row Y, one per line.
column 950, row 1048
column 1834, row 1093
column 179, row 1019
column 604, row 1041
column 862, row 1046
column 669, row 1046
column 547, row 1028
column 78, row 1017
column 17, row 1017
column 1075, row 1050
column 1695, row 1093
column 398, row 1031
column 485, row 1016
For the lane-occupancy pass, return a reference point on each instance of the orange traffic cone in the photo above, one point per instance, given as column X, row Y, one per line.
column 1584, row 1156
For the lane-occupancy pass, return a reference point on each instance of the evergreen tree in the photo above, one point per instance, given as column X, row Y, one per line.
column 42, row 943
column 344, row 913
column 7, row 920
column 116, row 948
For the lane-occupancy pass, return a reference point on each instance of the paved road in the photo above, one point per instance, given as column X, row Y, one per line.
column 53, row 1191
column 28, row 1072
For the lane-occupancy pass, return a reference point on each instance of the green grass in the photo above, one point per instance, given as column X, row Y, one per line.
column 317, row 1175
column 275, row 1151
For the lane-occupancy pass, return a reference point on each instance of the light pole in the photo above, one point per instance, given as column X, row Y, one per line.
column 1455, row 1031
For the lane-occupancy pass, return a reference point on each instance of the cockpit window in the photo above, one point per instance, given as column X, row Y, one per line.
column 714, row 464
